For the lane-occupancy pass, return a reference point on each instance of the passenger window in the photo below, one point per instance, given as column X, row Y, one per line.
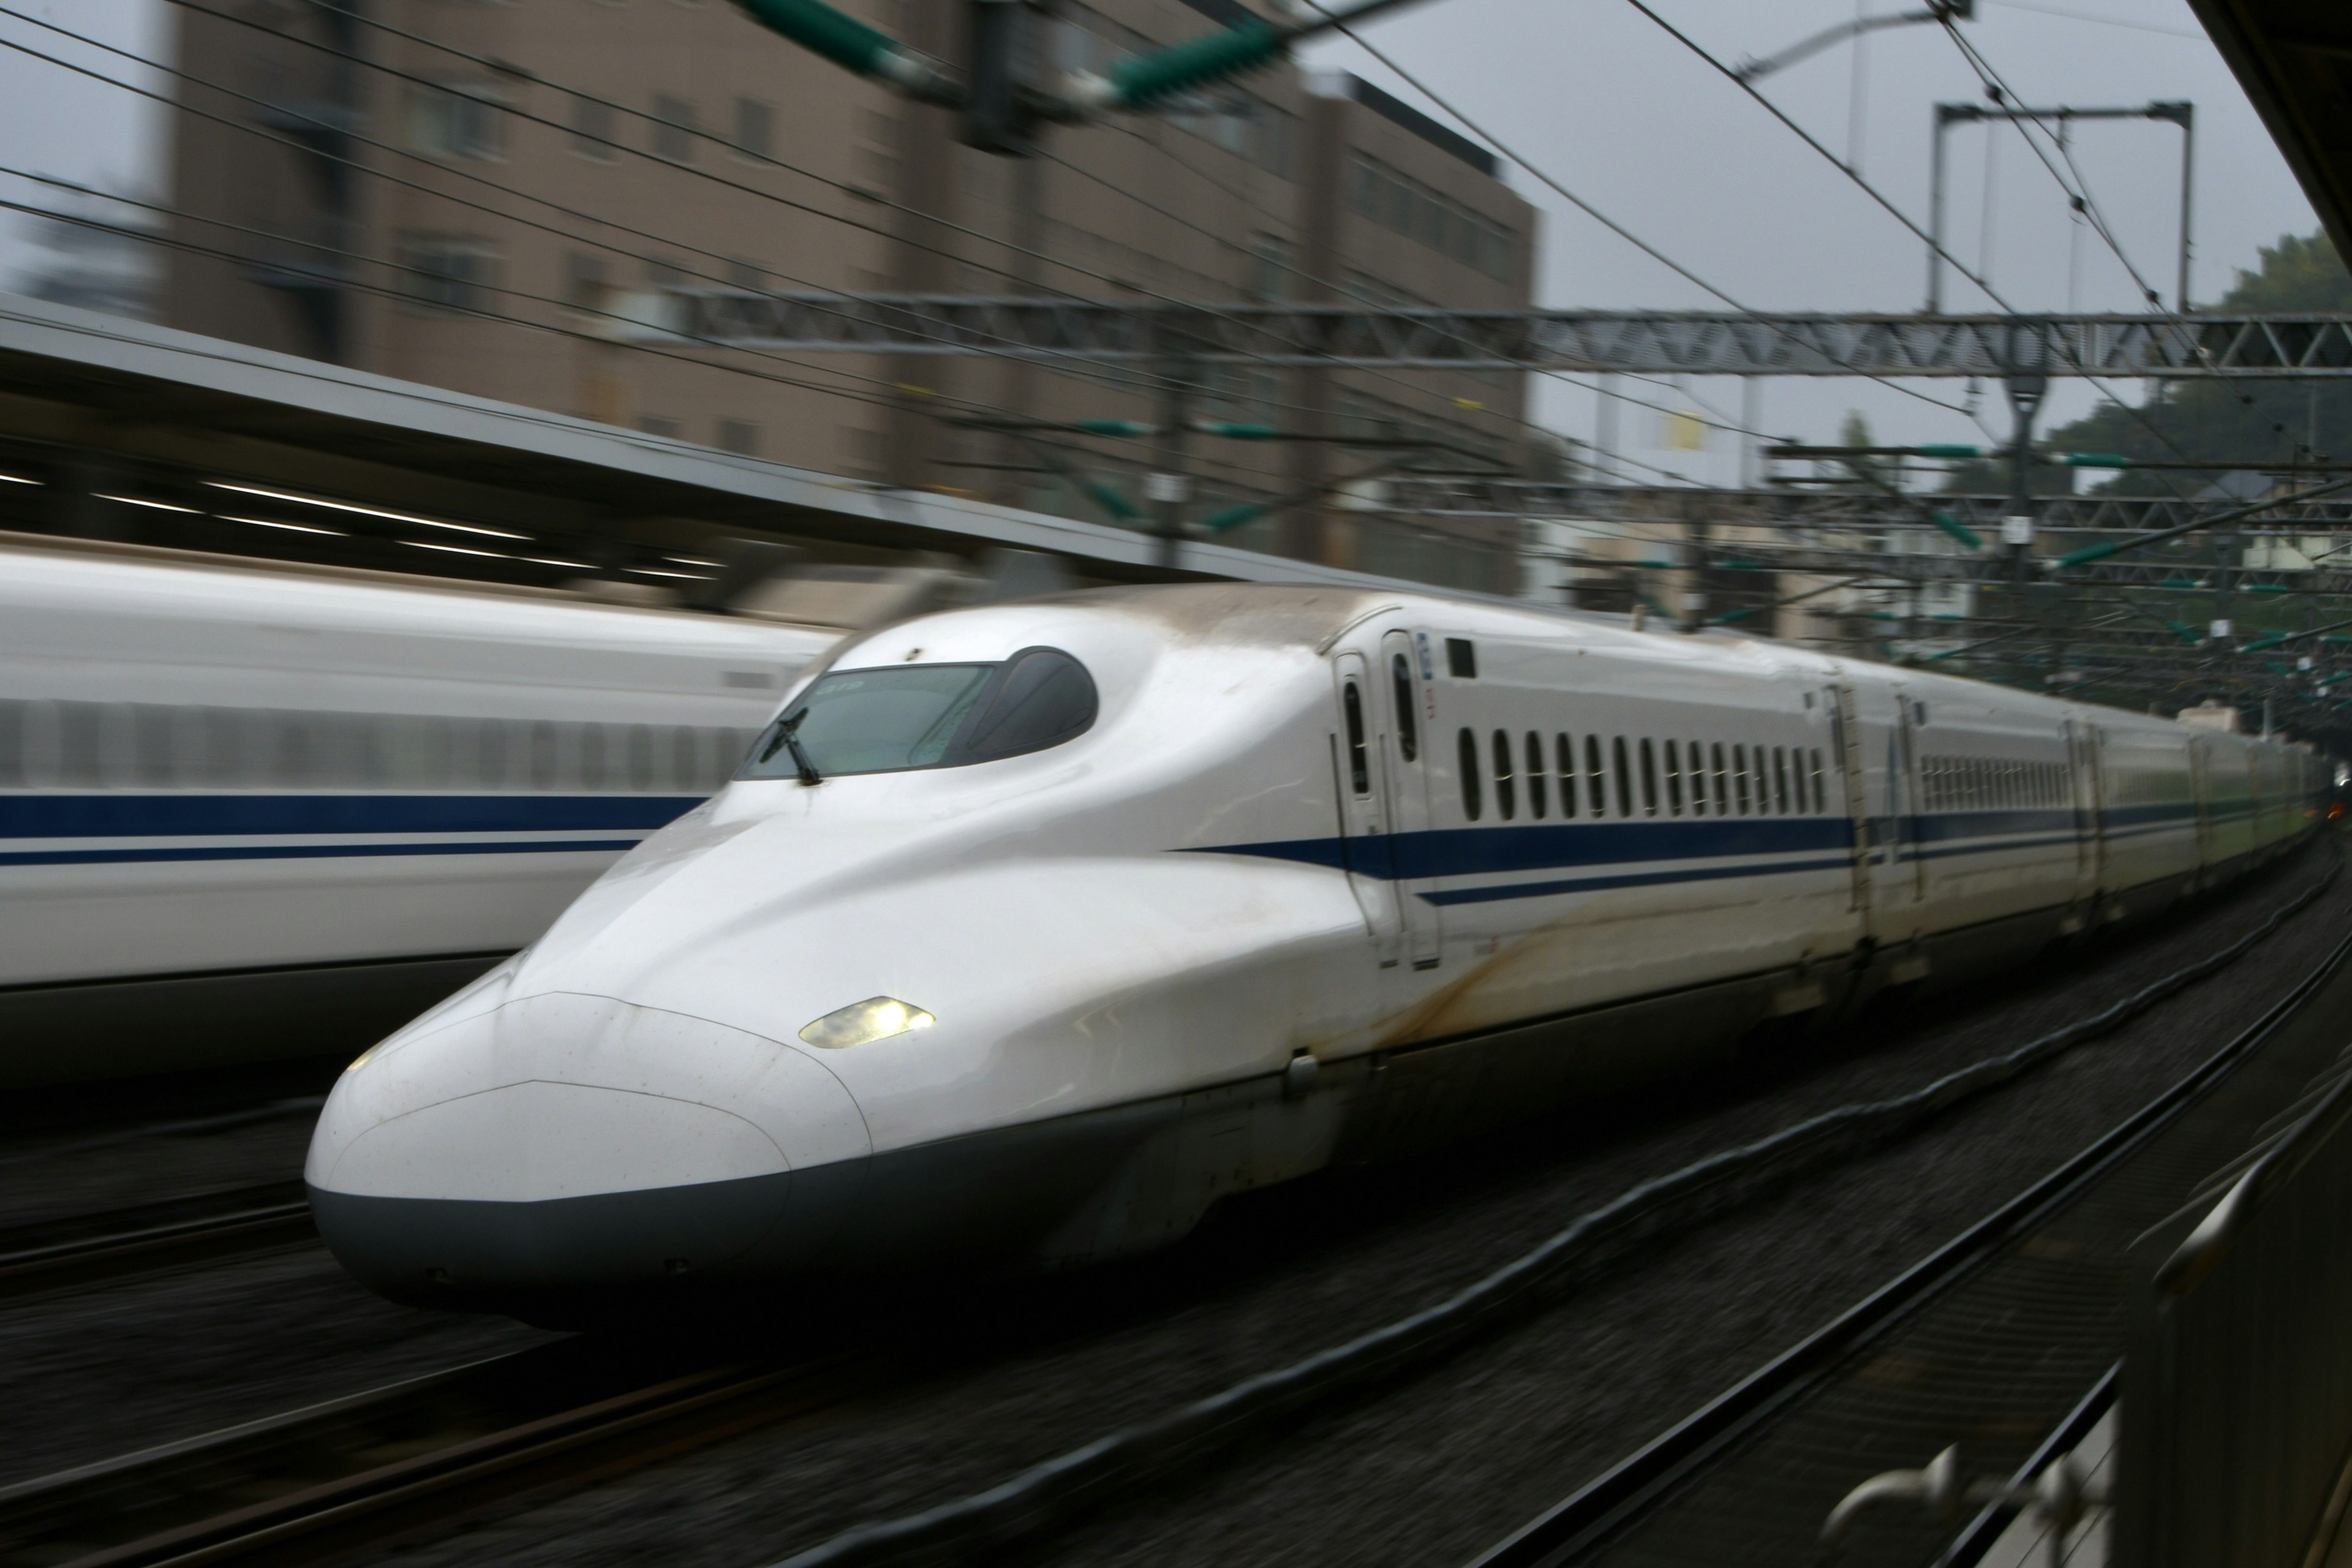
column 1474, row 798
column 1408, row 721
column 1649, row 779
column 1564, row 752
column 1697, row 779
column 1781, row 780
column 1596, row 788
column 1739, row 774
column 1535, row 775
column 1722, row 782
column 1821, row 792
column 1624, row 779
column 1674, row 778
column 1506, row 800
column 1360, row 775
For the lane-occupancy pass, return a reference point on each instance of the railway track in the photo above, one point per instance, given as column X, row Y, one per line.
column 420, row 1457
column 410, row 1459
column 2003, row 1339
column 1027, row 1507
column 115, row 1243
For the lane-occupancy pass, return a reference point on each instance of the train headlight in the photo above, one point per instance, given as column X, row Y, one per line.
column 876, row 1018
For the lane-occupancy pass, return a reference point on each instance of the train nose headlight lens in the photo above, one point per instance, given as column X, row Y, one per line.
column 876, row 1018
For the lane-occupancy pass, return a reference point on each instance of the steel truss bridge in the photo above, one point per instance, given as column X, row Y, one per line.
column 1590, row 342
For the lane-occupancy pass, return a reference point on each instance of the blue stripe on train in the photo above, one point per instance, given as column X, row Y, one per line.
column 1491, row 851
column 173, row 815
column 306, row 851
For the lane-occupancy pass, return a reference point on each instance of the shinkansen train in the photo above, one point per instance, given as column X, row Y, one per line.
column 1027, row 933
column 248, row 810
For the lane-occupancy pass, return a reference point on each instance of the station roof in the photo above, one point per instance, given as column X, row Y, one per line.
column 95, row 403
column 2294, row 57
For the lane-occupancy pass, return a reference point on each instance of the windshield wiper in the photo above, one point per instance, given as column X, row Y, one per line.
column 788, row 734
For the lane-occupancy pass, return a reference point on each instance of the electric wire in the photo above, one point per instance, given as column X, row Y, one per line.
column 1847, row 169
column 1594, row 213
column 691, row 170
column 1338, row 289
column 435, row 164
column 718, row 346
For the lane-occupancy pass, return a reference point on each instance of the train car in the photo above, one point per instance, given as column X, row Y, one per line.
column 1027, row 933
column 251, row 811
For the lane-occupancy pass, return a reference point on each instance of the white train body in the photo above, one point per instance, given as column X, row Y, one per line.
column 242, row 808
column 1275, row 905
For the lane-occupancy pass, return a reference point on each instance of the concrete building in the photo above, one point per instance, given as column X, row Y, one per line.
column 456, row 191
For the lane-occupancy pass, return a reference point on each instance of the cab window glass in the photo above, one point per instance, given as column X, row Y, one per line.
column 902, row 717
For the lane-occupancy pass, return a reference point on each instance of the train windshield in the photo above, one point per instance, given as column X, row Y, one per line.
column 901, row 717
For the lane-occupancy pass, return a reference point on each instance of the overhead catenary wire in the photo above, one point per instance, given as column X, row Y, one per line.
column 1302, row 274
column 1844, row 166
column 1589, row 210
column 859, row 193
column 472, row 176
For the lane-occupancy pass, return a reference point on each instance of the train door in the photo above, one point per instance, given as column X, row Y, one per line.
column 1878, row 724
column 1409, row 705
column 1361, row 773
column 1904, row 804
column 1845, row 748
column 2200, row 786
column 2082, row 793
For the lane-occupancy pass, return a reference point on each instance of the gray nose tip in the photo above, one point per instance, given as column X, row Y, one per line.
column 419, row 1249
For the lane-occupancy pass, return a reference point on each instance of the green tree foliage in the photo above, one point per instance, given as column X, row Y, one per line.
column 2237, row 425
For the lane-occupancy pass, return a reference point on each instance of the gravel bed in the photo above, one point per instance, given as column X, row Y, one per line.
column 88, row 1373
column 1447, row 1463
column 107, row 1146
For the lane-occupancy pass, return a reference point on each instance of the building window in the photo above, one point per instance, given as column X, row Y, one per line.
column 654, row 425
column 448, row 272
column 1380, row 193
column 596, row 131
column 740, row 436
column 458, row 119
column 583, row 280
column 673, row 129
column 755, row 127
column 1269, row 268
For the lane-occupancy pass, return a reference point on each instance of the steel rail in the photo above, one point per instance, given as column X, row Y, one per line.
column 489, row 1430
column 117, row 1242
column 1044, row 1498
column 1602, row 1507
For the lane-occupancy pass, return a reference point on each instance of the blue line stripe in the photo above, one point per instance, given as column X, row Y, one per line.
column 1629, row 879
column 170, row 816
column 306, row 851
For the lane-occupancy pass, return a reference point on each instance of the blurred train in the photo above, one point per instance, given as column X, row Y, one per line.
column 250, row 810
column 1027, row 933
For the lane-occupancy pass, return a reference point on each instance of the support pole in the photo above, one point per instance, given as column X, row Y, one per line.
column 2025, row 389
column 1936, row 173
column 2187, row 119
column 1169, row 486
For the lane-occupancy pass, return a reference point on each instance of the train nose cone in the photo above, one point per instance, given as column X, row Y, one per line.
column 566, row 1142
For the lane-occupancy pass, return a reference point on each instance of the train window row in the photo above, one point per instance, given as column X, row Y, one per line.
column 142, row 745
column 1642, row 777
column 1989, row 784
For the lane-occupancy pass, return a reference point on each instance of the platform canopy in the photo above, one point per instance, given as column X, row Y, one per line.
column 2294, row 57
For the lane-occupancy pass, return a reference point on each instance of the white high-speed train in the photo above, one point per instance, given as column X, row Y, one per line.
column 1027, row 933
column 247, row 809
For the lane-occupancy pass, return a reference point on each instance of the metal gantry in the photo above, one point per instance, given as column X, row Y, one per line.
column 1673, row 342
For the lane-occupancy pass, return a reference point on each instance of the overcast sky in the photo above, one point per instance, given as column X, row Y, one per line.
column 1612, row 108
